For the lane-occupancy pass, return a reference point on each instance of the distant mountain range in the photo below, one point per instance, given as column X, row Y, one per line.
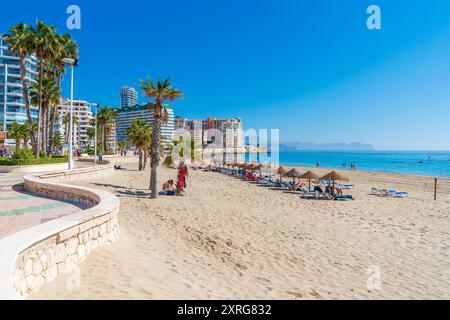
column 298, row 146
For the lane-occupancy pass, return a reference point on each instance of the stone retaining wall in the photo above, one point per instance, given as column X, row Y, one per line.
column 39, row 254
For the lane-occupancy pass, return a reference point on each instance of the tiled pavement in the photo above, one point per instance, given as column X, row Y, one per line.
column 20, row 210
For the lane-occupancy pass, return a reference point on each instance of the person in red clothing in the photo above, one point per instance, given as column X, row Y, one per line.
column 181, row 178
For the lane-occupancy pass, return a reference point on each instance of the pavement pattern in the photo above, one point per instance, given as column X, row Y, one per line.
column 20, row 209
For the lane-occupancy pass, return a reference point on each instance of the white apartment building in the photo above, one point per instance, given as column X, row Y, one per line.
column 81, row 110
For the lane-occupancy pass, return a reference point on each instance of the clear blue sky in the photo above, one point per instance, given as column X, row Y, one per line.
column 310, row 68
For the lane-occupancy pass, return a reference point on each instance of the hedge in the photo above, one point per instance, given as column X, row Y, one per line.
column 28, row 162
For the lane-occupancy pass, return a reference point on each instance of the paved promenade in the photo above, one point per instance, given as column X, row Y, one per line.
column 20, row 210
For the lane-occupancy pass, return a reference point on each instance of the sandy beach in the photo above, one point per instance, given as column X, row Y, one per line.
column 231, row 239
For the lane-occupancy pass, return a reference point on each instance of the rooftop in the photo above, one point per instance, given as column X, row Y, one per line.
column 137, row 107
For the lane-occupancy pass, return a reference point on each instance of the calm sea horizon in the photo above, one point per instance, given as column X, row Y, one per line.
column 426, row 163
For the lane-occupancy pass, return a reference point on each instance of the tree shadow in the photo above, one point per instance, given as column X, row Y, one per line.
column 133, row 194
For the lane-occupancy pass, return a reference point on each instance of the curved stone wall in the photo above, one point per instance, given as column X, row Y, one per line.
column 39, row 254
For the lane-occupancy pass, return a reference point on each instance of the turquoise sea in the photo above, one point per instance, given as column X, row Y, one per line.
column 428, row 163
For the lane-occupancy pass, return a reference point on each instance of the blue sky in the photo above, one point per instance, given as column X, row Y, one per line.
column 310, row 68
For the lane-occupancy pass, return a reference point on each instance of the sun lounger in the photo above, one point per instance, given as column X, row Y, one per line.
column 389, row 193
column 401, row 195
column 343, row 198
column 310, row 195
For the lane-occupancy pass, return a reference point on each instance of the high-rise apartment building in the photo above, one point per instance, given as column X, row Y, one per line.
column 227, row 133
column 127, row 114
column 12, row 104
column 128, row 97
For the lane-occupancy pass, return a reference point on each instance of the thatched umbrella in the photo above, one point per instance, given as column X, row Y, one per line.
column 258, row 167
column 294, row 173
column 309, row 175
column 281, row 171
column 333, row 176
column 249, row 166
column 268, row 170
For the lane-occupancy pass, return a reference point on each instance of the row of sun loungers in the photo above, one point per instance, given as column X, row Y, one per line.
column 274, row 183
column 306, row 193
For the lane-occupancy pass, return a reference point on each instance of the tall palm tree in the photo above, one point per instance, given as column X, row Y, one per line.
column 140, row 135
column 15, row 131
column 45, row 47
column 91, row 135
column 50, row 93
column 57, row 141
column 65, row 47
column 158, row 93
column 105, row 119
column 66, row 122
column 20, row 41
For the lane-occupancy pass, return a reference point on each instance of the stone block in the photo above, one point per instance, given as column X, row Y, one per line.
column 28, row 267
column 37, row 267
column 71, row 245
column 60, row 253
column 68, row 233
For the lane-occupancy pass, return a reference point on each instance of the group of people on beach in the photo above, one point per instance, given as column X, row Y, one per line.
column 171, row 189
column 352, row 165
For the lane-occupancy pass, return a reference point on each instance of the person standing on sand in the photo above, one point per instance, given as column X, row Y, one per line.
column 181, row 178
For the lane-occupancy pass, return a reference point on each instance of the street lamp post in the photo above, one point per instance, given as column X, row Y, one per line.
column 70, row 62
column 95, row 130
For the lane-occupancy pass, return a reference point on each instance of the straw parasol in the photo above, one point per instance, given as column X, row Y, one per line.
column 268, row 170
column 250, row 167
column 333, row 176
column 294, row 173
column 309, row 175
column 281, row 171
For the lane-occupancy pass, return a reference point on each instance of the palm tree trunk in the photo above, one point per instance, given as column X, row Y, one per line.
column 104, row 139
column 27, row 101
column 140, row 160
column 145, row 160
column 50, row 132
column 39, row 142
column 155, row 156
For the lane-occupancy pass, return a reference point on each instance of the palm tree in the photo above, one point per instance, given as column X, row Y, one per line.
column 15, row 131
column 123, row 145
column 45, row 47
column 105, row 119
column 91, row 135
column 159, row 93
column 50, row 93
column 57, row 141
column 20, row 41
column 66, row 122
column 140, row 135
column 25, row 133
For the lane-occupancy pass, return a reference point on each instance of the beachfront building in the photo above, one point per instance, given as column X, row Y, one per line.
column 205, row 132
column 111, row 137
column 128, row 97
column 12, row 104
column 142, row 111
column 82, row 111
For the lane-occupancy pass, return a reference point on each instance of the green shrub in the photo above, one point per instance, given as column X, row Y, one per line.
column 23, row 154
column 32, row 161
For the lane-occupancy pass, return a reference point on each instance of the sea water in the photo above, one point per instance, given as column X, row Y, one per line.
column 427, row 163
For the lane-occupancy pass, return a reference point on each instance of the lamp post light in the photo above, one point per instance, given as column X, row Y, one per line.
column 70, row 62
